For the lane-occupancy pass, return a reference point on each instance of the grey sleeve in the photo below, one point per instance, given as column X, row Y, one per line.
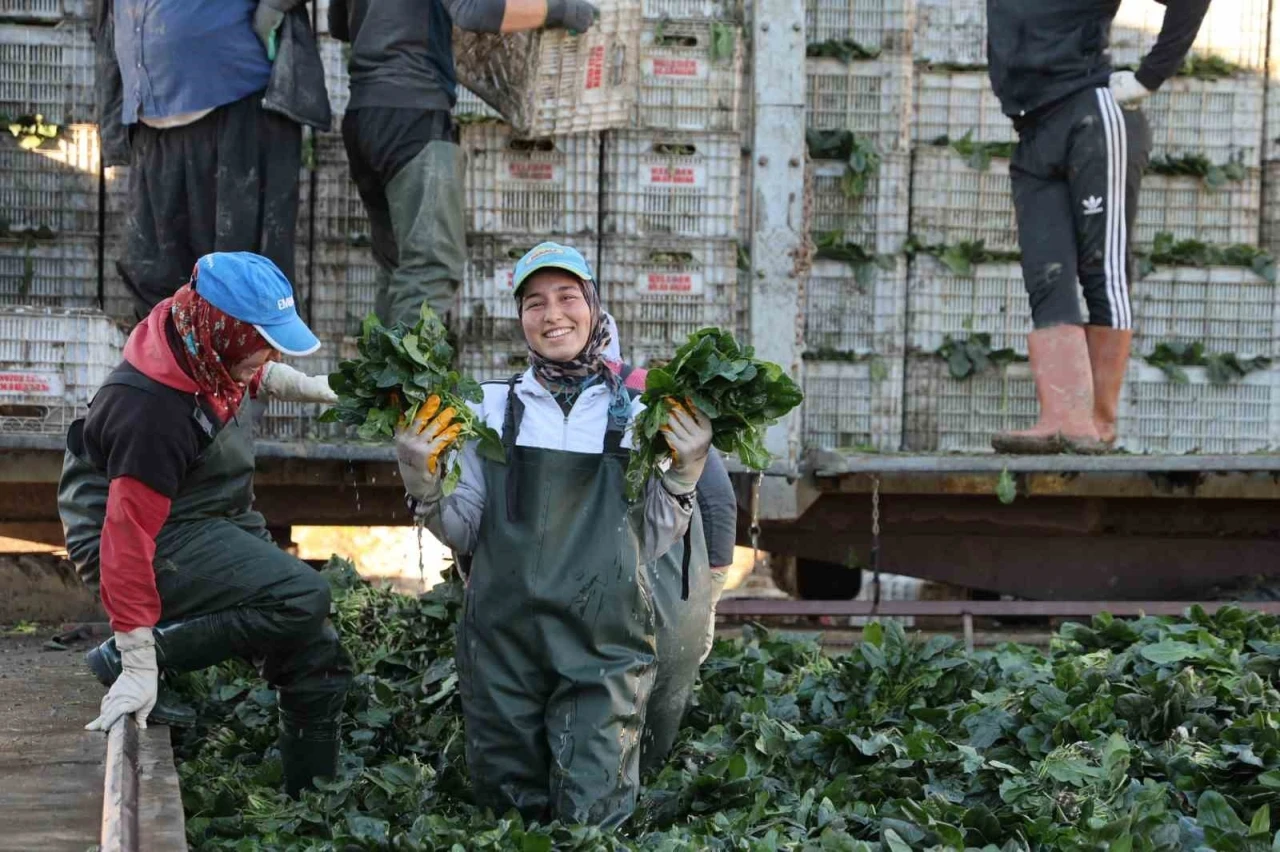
column 666, row 517
column 477, row 16
column 455, row 520
column 1182, row 19
column 719, row 506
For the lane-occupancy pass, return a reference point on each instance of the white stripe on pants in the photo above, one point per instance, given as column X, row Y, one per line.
column 1116, row 246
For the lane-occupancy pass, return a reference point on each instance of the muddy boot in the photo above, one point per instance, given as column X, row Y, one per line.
column 307, row 752
column 1109, row 358
column 1064, row 385
column 104, row 662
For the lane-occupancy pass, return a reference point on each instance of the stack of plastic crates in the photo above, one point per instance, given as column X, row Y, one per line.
column 858, row 95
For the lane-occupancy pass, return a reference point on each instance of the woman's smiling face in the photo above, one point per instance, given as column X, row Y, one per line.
column 555, row 315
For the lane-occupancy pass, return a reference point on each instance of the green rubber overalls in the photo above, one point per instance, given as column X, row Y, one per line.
column 556, row 642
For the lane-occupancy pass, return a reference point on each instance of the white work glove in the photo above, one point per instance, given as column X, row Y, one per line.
column 136, row 688
column 266, row 20
column 718, row 578
column 688, row 434
column 420, row 447
column 1126, row 89
column 283, row 382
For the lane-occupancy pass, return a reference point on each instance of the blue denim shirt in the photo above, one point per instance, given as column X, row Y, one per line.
column 179, row 56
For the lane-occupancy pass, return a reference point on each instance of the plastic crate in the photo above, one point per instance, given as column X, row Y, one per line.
column 55, row 185
column 540, row 186
column 745, row 198
column 297, row 421
column 853, row 405
column 549, row 82
column 1220, row 119
column 662, row 291
column 872, row 98
column 956, row 103
column 746, row 100
column 953, row 203
column 847, row 316
column 57, row 273
column 893, row 587
column 671, row 184
column 343, row 287
column 877, row 25
column 951, row 32
column 941, row 304
column 52, row 361
column 492, row 362
column 334, row 55
column 43, row 11
column 1271, row 209
column 1158, row 415
column 684, row 84
column 47, row 71
column 944, row 414
column 1229, row 309
column 1191, row 210
column 1234, row 30
column 876, row 220
column 469, row 108
column 693, row 10
column 340, row 215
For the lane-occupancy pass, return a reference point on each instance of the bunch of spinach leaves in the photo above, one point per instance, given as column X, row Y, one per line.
column 860, row 157
column 741, row 394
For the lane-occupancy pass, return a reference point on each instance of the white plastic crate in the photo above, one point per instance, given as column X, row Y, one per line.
column 47, row 71
column 671, row 184
column 893, row 587
column 1190, row 210
column 340, row 215
column 548, row 82
column 693, row 10
column 951, row 32
column 1271, row 209
column 540, row 186
column 469, row 107
column 684, row 83
column 1234, row 30
column 492, row 362
column 1271, row 127
column 55, row 185
column 343, row 288
column 876, row 220
column 846, row 316
column 1229, row 309
column 1220, row 119
column 746, row 101
column 662, row 291
column 876, row 25
column 956, row 103
column 872, row 98
column 944, row 414
column 297, row 421
column 941, row 304
column 851, row 405
column 57, row 273
column 1158, row 415
column 43, row 11
column 745, row 198
column 953, row 203
column 52, row 361
column 334, row 55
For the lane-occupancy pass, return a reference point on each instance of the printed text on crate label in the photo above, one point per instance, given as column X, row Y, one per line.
column 595, row 68
column 673, row 176
column 674, row 68
column 530, row 171
column 13, row 382
column 679, row 283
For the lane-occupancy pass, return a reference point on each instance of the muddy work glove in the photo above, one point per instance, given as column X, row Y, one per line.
column 688, row 434
column 576, row 16
column 280, row 381
column 266, row 24
column 420, row 446
column 136, row 688
column 1126, row 89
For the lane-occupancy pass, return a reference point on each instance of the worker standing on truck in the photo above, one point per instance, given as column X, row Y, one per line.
column 204, row 101
column 156, row 500
column 556, row 645
column 400, row 138
column 686, row 616
column 1082, row 146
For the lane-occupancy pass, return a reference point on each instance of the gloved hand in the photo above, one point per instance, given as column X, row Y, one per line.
column 419, row 446
column 688, row 434
column 136, row 688
column 286, row 383
column 1126, row 89
column 577, row 16
column 266, row 20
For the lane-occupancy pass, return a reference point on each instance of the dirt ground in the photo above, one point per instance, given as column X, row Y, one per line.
column 50, row 767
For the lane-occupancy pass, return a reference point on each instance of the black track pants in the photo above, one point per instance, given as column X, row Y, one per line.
column 1076, row 173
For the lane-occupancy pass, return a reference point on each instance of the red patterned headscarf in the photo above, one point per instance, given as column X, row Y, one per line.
column 212, row 341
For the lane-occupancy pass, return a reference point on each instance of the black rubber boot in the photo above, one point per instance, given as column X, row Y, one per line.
column 308, row 753
column 104, row 662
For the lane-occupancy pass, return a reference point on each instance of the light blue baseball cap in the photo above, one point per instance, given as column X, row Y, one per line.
column 252, row 289
column 551, row 256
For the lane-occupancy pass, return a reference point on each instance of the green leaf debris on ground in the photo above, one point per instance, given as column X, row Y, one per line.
column 1158, row 735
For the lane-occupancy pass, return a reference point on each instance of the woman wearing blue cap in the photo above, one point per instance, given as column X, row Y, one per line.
column 156, row 500
column 556, row 647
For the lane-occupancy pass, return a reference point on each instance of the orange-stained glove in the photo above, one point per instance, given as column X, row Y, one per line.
column 688, row 433
column 420, row 446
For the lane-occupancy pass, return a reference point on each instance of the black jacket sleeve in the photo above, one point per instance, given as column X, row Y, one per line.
column 339, row 20
column 719, row 507
column 1182, row 19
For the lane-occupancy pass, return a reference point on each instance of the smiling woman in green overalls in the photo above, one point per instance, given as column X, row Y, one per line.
column 556, row 646
column 156, row 500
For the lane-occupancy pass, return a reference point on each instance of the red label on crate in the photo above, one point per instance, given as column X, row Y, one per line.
column 531, row 171
column 665, row 66
column 651, row 175
column 679, row 283
column 22, row 383
column 505, row 281
column 595, row 68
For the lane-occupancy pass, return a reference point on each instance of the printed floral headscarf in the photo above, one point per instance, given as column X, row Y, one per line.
column 565, row 380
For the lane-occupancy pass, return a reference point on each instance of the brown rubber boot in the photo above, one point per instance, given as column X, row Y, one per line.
column 1064, row 386
column 1109, row 357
